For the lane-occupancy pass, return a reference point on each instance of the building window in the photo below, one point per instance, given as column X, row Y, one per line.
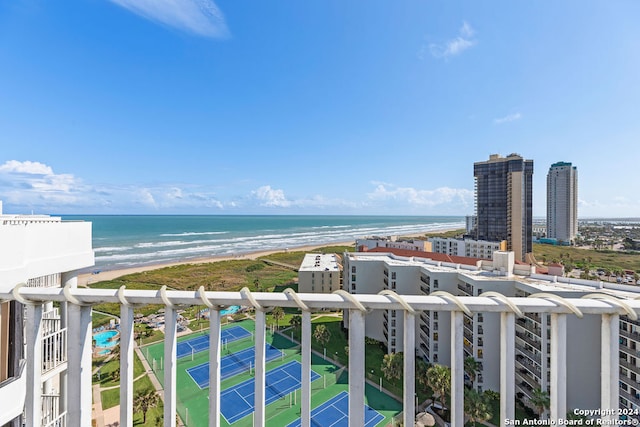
column 435, row 336
column 353, row 269
column 353, row 277
column 479, row 353
column 393, row 275
column 435, row 315
column 435, row 283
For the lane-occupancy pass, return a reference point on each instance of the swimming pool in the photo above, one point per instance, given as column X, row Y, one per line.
column 231, row 310
column 105, row 339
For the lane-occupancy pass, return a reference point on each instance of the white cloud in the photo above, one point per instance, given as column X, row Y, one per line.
column 440, row 197
column 28, row 167
column 175, row 193
column 31, row 184
column 146, row 198
column 271, row 197
column 507, row 118
column 36, row 177
column 201, row 17
column 454, row 46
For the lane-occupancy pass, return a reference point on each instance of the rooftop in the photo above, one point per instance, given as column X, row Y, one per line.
column 319, row 262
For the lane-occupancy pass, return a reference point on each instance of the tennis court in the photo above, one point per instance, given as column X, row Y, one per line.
column 335, row 413
column 237, row 402
column 201, row 343
column 233, row 364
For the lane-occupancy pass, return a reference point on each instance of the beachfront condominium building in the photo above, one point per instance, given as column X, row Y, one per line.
column 562, row 202
column 407, row 274
column 372, row 242
column 504, row 209
column 470, row 223
column 319, row 273
column 466, row 247
column 38, row 251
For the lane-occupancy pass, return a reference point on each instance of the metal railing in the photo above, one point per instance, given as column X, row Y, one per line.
column 78, row 304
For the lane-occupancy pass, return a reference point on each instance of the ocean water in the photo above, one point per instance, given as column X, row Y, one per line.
column 121, row 241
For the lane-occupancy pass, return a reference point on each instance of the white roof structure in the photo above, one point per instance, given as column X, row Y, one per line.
column 319, row 262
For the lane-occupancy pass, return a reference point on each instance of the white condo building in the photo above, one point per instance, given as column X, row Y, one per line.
column 466, row 247
column 42, row 252
column 373, row 272
column 319, row 273
column 368, row 243
column 562, row 202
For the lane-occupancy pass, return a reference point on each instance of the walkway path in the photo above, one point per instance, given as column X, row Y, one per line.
column 280, row 264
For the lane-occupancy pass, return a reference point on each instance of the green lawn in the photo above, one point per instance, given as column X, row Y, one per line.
column 111, row 398
column 105, row 378
column 605, row 259
column 296, row 257
column 99, row 319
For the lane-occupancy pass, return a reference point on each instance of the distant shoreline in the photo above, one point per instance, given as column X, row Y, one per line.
column 85, row 279
column 88, row 278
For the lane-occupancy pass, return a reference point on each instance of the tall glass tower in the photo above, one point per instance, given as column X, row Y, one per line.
column 504, row 207
column 562, row 202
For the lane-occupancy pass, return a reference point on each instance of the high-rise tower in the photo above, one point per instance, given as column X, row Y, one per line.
column 562, row 202
column 504, row 208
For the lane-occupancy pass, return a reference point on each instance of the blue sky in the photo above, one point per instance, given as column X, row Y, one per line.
column 319, row 107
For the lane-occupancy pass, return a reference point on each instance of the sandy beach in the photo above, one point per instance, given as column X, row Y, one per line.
column 88, row 278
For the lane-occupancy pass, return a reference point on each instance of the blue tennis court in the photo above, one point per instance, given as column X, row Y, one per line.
column 201, row 343
column 335, row 413
column 231, row 365
column 237, row 402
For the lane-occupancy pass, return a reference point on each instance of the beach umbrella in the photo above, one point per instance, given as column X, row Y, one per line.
column 424, row 419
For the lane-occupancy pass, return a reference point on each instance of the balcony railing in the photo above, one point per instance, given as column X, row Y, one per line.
column 54, row 350
column 79, row 301
column 630, row 335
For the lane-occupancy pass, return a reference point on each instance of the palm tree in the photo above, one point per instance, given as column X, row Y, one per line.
column 115, row 351
column 439, row 379
column 471, row 368
column 392, row 365
column 540, row 400
column 476, row 406
column 278, row 315
column 144, row 401
column 296, row 322
column 115, row 376
column 421, row 372
column 322, row 335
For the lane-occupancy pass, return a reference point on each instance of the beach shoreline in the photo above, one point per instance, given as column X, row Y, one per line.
column 85, row 279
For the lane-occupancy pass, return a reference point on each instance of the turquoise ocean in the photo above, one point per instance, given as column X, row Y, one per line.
column 121, row 241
